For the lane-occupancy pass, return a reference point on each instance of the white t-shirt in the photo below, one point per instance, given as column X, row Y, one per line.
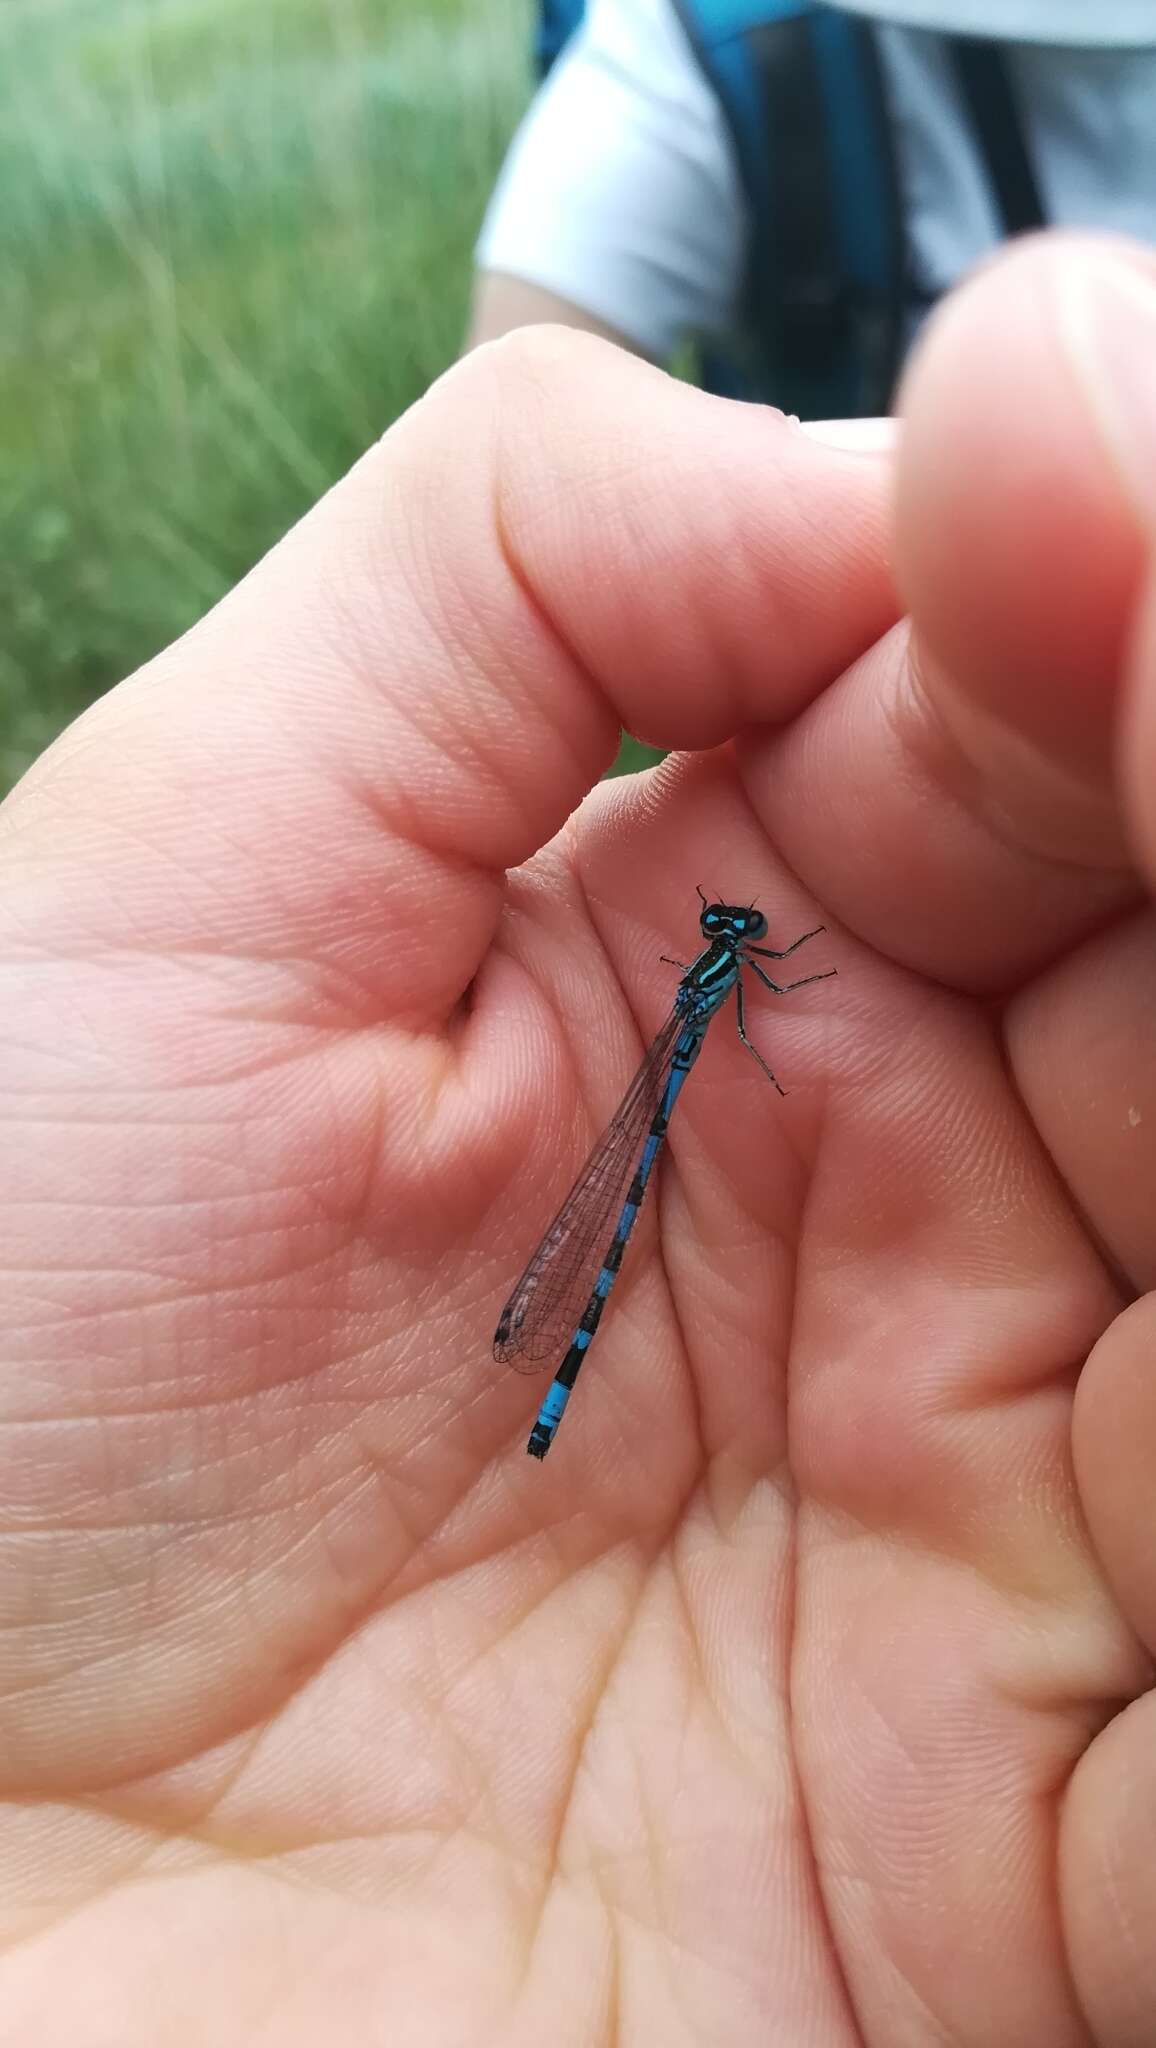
column 1087, row 22
column 620, row 192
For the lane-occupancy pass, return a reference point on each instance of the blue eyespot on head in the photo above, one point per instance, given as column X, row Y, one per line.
column 732, row 921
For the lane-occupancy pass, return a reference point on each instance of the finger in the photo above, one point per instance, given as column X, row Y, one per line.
column 956, row 802
column 414, row 690
column 1114, row 1448
column 1132, row 424
column 1019, row 543
column 1079, row 1043
column 1079, row 1037
column 1107, row 1855
column 1108, row 1839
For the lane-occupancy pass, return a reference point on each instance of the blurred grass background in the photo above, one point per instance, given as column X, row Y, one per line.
column 235, row 243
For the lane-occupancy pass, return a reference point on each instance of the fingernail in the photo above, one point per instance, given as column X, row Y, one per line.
column 861, row 437
column 1108, row 325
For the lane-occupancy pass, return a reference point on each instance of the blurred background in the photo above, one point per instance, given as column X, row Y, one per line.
column 239, row 237
column 236, row 242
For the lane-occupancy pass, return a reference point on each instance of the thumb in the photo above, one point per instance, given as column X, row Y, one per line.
column 1019, row 546
column 968, row 819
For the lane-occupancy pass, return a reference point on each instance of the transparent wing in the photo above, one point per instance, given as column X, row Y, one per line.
column 542, row 1313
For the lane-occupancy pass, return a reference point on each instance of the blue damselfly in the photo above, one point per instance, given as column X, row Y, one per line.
column 563, row 1291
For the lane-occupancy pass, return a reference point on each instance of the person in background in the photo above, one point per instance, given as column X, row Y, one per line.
column 788, row 187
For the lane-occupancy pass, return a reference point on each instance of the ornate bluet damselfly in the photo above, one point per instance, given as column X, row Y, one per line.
column 564, row 1289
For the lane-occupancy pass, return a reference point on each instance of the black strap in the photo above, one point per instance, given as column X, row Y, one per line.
column 881, row 339
column 556, row 22
column 982, row 72
column 820, row 340
column 805, row 273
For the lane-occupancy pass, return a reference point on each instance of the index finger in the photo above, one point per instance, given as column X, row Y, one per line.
column 412, row 692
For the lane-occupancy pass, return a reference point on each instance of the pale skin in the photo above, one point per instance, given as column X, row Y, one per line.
column 804, row 1695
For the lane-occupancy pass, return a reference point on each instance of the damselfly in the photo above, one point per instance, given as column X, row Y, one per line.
column 564, row 1289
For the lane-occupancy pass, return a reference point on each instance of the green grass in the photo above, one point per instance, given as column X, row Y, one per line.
column 235, row 243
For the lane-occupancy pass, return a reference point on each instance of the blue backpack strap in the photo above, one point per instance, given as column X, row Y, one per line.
column 556, row 23
column 799, row 85
column 985, row 83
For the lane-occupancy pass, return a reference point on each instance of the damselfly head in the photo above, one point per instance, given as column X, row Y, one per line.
column 735, row 921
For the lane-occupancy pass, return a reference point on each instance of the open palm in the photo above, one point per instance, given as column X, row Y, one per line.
column 801, row 1696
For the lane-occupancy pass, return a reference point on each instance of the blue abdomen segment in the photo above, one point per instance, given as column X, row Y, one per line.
column 686, row 1050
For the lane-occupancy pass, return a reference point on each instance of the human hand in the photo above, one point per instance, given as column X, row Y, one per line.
column 789, row 1701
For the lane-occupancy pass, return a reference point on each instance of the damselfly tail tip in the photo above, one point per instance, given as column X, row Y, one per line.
column 507, row 1330
column 540, row 1441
